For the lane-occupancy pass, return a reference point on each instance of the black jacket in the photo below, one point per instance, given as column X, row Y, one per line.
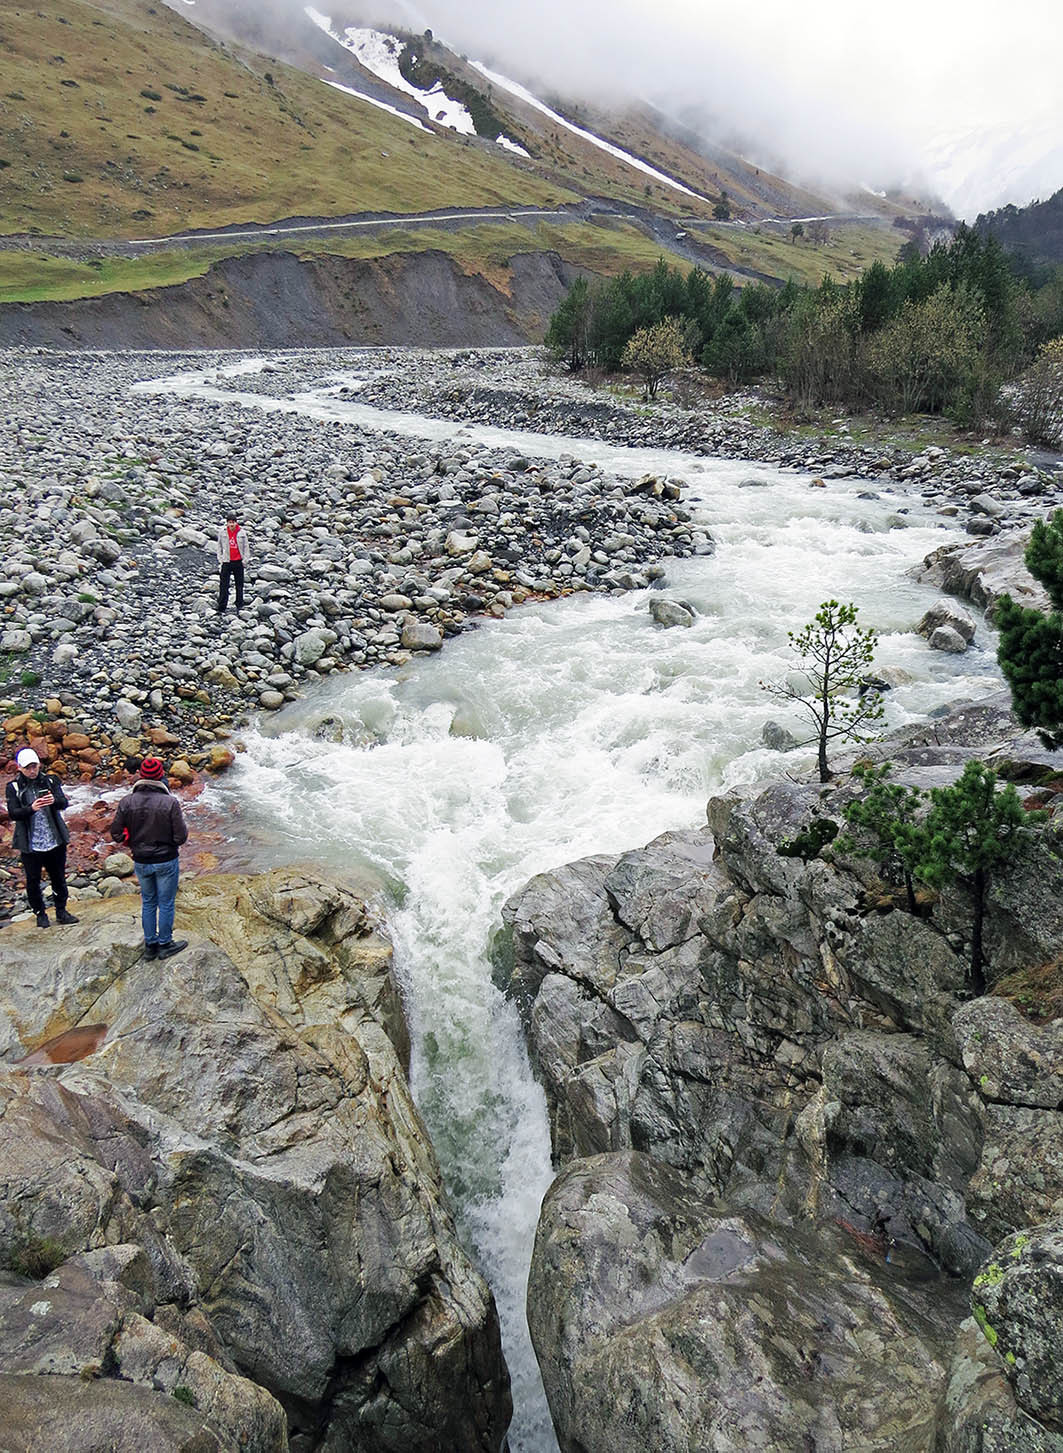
column 150, row 823
column 21, row 793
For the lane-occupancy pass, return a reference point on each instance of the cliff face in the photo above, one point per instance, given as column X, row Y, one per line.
column 770, row 1090
column 221, row 1219
column 276, row 300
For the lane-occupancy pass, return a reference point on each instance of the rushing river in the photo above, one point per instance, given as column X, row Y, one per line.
column 569, row 728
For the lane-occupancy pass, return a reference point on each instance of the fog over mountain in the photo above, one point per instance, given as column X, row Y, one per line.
column 839, row 94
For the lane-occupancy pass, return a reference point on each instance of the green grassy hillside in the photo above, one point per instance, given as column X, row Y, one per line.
column 119, row 119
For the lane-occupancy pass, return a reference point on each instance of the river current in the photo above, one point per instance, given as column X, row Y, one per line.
column 570, row 727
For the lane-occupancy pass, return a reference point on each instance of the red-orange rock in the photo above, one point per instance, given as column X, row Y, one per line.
column 161, row 737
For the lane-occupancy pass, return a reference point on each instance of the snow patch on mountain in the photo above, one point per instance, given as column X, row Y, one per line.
column 382, row 105
column 516, row 89
column 379, row 54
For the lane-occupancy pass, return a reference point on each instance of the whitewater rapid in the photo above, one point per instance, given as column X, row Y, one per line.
column 568, row 728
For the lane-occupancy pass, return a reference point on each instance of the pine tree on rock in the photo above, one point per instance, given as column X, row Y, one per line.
column 1030, row 650
column 832, row 680
column 886, row 814
column 970, row 833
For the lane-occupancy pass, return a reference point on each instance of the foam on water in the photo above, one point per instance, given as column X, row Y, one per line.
column 569, row 728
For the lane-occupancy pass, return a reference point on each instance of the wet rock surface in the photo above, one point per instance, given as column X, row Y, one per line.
column 670, row 1324
column 225, row 1215
column 792, row 1047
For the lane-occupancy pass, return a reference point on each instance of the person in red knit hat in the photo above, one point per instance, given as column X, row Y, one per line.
column 150, row 823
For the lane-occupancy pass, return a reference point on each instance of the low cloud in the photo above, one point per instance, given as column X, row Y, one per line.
column 833, row 92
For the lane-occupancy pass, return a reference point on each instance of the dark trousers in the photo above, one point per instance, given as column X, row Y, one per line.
column 235, row 568
column 54, row 863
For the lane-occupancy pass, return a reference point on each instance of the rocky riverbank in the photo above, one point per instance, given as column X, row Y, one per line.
column 746, row 1042
column 221, row 1220
column 367, row 546
column 769, row 1086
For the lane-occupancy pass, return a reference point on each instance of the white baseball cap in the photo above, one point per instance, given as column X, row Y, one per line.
column 27, row 757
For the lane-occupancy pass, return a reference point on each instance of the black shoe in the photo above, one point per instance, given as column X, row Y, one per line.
column 167, row 950
column 42, row 920
column 151, row 950
column 62, row 916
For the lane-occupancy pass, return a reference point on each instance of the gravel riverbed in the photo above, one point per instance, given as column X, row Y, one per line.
column 366, row 545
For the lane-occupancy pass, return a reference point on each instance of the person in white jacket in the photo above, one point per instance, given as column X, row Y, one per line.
column 233, row 553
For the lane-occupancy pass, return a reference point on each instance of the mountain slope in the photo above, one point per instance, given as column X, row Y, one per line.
column 118, row 117
column 123, row 118
column 634, row 155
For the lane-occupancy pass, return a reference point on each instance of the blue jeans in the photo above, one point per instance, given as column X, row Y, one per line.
column 158, row 890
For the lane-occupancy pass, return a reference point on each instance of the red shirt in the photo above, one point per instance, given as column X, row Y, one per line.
column 234, row 551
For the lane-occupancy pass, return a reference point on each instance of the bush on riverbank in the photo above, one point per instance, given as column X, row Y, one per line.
column 937, row 334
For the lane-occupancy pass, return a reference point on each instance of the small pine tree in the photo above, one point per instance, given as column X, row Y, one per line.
column 970, row 833
column 567, row 335
column 1044, row 556
column 836, row 656
column 887, row 814
column 1030, row 650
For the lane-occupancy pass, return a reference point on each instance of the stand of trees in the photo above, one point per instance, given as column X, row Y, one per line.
column 1030, row 650
column 965, row 833
column 935, row 334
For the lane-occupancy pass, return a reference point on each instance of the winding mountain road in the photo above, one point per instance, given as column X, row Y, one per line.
column 676, row 236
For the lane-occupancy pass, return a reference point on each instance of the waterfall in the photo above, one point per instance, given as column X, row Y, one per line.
column 569, row 728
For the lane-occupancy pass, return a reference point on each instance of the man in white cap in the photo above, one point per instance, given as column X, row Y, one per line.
column 35, row 804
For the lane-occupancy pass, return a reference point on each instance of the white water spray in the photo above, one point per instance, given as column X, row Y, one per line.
column 569, row 728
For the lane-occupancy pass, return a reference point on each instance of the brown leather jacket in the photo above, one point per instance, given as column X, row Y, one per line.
column 150, row 823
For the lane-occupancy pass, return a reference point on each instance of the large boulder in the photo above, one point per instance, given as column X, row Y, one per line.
column 239, row 1118
column 980, row 1414
column 952, row 616
column 662, row 1322
column 1018, row 1302
column 680, row 1000
column 984, row 571
column 786, row 1036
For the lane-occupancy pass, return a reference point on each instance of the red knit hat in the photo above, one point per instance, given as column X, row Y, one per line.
column 152, row 769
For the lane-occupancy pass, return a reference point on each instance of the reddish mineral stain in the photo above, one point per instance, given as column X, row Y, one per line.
column 66, row 1048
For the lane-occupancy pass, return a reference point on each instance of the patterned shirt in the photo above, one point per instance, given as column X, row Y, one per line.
column 42, row 834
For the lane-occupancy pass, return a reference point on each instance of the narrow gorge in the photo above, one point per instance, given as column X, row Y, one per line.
column 483, row 862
